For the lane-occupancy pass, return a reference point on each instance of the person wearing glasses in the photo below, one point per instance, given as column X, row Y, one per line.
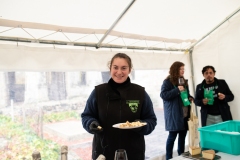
column 213, row 95
column 115, row 102
column 176, row 103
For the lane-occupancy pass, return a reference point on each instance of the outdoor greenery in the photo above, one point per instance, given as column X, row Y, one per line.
column 22, row 142
column 60, row 116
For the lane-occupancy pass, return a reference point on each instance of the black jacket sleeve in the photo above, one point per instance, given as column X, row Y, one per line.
column 226, row 91
column 199, row 96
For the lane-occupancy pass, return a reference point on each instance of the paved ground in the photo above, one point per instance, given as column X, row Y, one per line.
column 80, row 148
column 155, row 142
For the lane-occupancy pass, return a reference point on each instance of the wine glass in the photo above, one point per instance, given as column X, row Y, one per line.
column 120, row 154
column 181, row 81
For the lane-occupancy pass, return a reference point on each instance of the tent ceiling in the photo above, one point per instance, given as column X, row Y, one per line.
column 151, row 24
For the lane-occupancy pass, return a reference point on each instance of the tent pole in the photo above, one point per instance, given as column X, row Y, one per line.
column 28, row 40
column 226, row 19
column 115, row 23
column 192, row 73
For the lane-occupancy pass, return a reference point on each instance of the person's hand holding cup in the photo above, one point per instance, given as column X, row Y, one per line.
column 221, row 96
column 181, row 88
column 205, row 101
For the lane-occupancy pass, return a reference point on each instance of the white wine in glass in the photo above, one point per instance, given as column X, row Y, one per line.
column 181, row 81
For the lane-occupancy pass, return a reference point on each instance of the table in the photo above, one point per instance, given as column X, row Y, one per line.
column 224, row 156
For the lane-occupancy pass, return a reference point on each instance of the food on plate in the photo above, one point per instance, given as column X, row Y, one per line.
column 131, row 124
column 208, row 154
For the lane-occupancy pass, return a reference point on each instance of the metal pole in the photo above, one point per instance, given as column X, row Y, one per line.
column 91, row 45
column 226, row 19
column 115, row 23
column 192, row 73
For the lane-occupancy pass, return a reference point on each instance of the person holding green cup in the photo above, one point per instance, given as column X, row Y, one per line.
column 176, row 100
column 213, row 95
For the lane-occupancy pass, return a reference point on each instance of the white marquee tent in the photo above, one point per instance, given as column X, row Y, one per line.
column 73, row 35
column 80, row 35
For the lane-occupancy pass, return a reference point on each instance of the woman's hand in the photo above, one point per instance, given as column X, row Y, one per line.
column 191, row 99
column 181, row 88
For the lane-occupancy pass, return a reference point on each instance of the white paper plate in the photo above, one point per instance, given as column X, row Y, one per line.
column 118, row 126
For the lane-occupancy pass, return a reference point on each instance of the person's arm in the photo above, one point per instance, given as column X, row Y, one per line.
column 198, row 96
column 148, row 116
column 228, row 95
column 90, row 112
column 191, row 99
column 168, row 92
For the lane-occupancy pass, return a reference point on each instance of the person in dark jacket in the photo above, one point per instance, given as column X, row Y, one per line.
column 176, row 111
column 213, row 95
column 115, row 102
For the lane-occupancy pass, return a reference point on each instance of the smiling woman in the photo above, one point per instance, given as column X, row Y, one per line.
column 124, row 101
column 120, row 68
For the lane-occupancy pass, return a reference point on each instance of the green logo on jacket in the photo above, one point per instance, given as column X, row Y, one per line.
column 133, row 105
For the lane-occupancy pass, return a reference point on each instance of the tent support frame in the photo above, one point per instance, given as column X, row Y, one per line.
column 27, row 40
column 192, row 73
column 226, row 19
column 115, row 23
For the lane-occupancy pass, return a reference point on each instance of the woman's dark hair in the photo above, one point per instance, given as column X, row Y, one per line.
column 124, row 56
column 174, row 72
column 208, row 67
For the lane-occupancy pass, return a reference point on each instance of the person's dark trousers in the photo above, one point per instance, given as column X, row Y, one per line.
column 170, row 142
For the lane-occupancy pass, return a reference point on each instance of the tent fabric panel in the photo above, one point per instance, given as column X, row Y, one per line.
column 176, row 19
column 164, row 22
column 73, row 13
column 24, row 58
